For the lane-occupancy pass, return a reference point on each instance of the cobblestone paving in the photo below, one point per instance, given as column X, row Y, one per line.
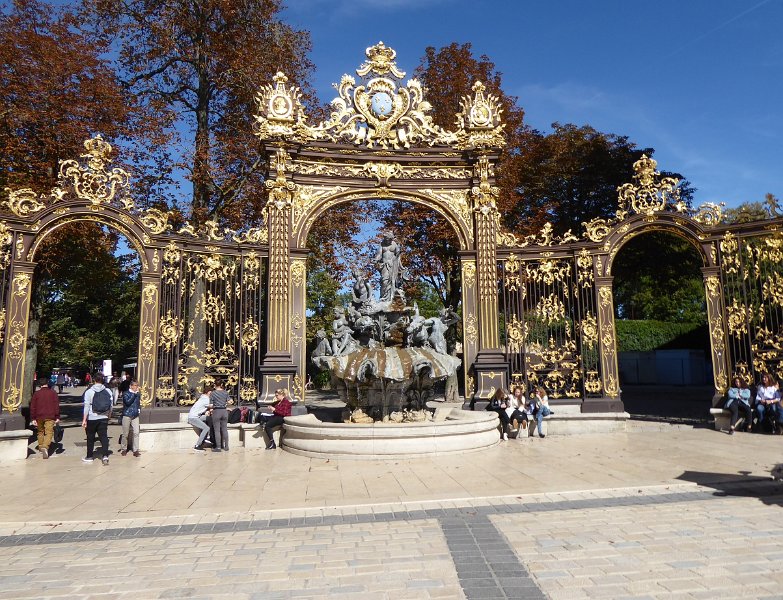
column 720, row 547
column 670, row 541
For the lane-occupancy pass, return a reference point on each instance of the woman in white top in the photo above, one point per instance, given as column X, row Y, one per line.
column 516, row 409
column 768, row 398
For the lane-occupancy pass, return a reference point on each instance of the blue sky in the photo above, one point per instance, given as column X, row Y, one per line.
column 700, row 81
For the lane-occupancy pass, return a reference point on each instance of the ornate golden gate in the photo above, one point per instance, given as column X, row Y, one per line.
column 201, row 307
column 223, row 303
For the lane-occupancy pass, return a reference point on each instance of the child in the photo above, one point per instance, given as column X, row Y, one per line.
column 542, row 409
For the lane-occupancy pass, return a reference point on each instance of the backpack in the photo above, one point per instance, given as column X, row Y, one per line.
column 101, row 402
column 244, row 415
column 235, row 416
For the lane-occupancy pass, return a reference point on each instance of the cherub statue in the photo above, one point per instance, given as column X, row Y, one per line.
column 362, row 290
column 342, row 334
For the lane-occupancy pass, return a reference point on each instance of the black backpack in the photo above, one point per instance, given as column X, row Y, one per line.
column 101, row 402
column 235, row 416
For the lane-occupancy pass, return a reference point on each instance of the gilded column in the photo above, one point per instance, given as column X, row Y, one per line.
column 713, row 289
column 485, row 211
column 149, row 320
column 17, row 319
column 298, row 322
column 278, row 369
column 607, row 347
column 470, row 333
column 490, row 368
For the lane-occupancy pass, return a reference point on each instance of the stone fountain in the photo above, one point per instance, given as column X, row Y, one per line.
column 384, row 357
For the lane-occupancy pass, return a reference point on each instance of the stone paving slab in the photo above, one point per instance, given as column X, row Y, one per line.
column 661, row 514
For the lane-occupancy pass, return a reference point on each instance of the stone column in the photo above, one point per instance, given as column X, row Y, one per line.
column 713, row 290
column 607, row 347
column 17, row 319
column 149, row 319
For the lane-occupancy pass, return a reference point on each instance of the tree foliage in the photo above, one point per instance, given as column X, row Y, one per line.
column 658, row 276
column 201, row 63
column 747, row 212
column 571, row 175
column 90, row 299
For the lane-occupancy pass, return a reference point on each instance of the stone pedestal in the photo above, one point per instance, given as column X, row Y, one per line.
column 491, row 372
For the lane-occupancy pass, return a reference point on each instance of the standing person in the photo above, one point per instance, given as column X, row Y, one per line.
column 739, row 399
column 498, row 404
column 87, row 379
column 282, row 409
column 131, row 408
column 60, row 382
column 219, row 403
column 197, row 414
column 767, row 398
column 542, row 409
column 97, row 409
column 44, row 414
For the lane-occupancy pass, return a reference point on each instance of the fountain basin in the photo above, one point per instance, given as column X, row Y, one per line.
column 453, row 431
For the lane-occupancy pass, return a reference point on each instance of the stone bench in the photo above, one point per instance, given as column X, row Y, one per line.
column 722, row 418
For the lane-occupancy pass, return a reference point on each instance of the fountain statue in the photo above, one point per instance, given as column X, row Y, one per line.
column 384, row 357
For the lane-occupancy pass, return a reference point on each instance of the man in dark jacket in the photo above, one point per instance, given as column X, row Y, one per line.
column 44, row 414
column 131, row 407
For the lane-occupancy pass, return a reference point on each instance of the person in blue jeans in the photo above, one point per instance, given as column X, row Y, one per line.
column 739, row 399
column 542, row 409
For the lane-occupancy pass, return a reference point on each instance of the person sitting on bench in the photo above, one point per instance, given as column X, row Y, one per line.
column 739, row 399
column 282, row 409
column 768, row 400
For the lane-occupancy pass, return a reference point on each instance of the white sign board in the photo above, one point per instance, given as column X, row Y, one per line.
column 107, row 368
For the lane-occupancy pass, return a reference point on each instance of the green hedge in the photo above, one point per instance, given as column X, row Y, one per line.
column 643, row 336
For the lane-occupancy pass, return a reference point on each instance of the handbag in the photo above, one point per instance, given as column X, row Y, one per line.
column 59, row 430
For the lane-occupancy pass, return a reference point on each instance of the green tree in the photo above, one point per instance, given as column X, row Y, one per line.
column 657, row 276
column 747, row 212
column 200, row 63
column 571, row 176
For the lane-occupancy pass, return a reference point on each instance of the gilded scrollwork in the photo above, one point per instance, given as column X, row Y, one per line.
column 550, row 309
column 94, row 183
column 650, row 193
column 772, row 289
column 170, row 330
column 589, row 327
column 737, row 318
column 23, row 202
column 471, row 329
column 516, row 333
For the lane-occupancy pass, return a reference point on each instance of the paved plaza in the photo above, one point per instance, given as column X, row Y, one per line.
column 659, row 512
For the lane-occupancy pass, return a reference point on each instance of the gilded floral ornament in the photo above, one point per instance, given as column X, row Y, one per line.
column 597, row 229
column 648, row 196
column 737, row 318
column 93, row 182
column 383, row 171
column 516, row 332
column 773, row 289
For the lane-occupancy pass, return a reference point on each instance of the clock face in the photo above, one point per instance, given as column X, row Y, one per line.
column 381, row 104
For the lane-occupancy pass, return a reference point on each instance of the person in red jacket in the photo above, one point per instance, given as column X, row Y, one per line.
column 282, row 410
column 44, row 414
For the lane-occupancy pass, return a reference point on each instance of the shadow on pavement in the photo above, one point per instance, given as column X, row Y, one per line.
column 669, row 403
column 742, row 484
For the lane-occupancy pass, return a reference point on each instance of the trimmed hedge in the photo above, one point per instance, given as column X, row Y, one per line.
column 644, row 336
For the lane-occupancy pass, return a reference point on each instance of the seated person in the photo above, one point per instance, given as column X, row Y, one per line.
column 768, row 399
column 542, row 409
column 282, row 409
column 198, row 416
column 498, row 403
column 516, row 409
column 739, row 399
